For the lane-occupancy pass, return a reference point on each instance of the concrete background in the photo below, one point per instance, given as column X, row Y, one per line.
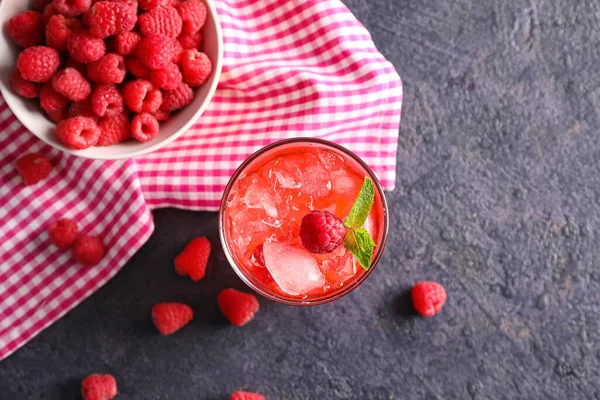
column 498, row 199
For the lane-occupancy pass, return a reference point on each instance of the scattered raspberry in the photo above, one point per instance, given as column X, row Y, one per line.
column 168, row 77
column 155, row 51
column 72, row 8
column 144, row 127
column 162, row 20
column 150, row 4
column 78, row 132
column 246, row 396
column 49, row 11
column 99, row 387
column 177, row 52
column 196, row 67
column 126, row 43
column 428, row 298
column 38, row 63
column 84, row 47
column 171, row 317
column 189, row 42
column 88, row 250
column 160, row 115
column 79, row 66
column 63, row 233
column 82, row 109
column 193, row 15
column 177, row 99
column 137, row 69
column 58, row 31
column 27, row 29
column 109, row 69
column 23, row 87
column 58, row 115
column 33, row 167
column 39, row 5
column 110, row 18
column 238, row 307
column 321, row 232
column 141, row 96
column 193, row 259
column 114, row 129
column 71, row 84
column 107, row 100
column 51, row 101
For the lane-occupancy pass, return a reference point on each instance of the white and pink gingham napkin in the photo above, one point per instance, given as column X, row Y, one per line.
column 291, row 68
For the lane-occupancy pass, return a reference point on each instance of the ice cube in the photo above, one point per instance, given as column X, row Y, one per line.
column 259, row 195
column 330, row 160
column 315, row 179
column 346, row 184
column 339, row 269
column 294, row 269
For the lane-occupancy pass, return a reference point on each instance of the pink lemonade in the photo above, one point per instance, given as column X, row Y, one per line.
column 263, row 210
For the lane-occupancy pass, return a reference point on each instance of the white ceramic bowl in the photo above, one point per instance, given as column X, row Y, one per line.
column 31, row 115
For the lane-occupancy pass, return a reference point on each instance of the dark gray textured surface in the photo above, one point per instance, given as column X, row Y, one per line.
column 498, row 198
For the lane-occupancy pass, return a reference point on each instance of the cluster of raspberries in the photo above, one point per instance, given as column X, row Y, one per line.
column 107, row 71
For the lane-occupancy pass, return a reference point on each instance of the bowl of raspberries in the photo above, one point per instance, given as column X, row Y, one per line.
column 109, row 79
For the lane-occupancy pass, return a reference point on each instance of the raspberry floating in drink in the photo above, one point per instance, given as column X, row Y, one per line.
column 303, row 221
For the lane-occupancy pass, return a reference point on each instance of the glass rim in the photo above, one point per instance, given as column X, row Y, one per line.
column 273, row 296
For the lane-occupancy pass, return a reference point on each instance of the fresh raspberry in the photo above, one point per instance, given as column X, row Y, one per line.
column 148, row 5
column 107, row 100
column 51, row 101
column 99, row 387
column 162, row 20
column 428, row 298
column 126, row 42
column 141, row 96
column 193, row 15
column 196, row 67
column 137, row 69
column 63, row 233
column 189, row 42
column 82, row 109
column 114, row 129
column 171, row 317
column 48, row 12
column 78, row 132
column 167, row 77
column 33, row 167
column 155, row 51
column 39, row 5
column 246, row 396
column 110, row 18
column 177, row 99
column 160, row 115
column 72, row 8
column 109, row 69
column 23, row 87
column 58, row 115
column 177, row 52
column 58, row 31
column 88, row 250
column 238, row 307
column 79, row 66
column 193, row 259
column 321, row 231
column 84, row 47
column 71, row 84
column 144, row 127
column 27, row 29
column 38, row 63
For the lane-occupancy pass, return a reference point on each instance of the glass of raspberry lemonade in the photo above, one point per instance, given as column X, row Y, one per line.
column 303, row 221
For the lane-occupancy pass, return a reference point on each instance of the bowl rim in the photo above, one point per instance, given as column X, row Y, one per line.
column 218, row 66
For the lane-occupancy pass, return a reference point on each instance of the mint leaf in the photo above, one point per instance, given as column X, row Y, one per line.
column 361, row 245
column 362, row 206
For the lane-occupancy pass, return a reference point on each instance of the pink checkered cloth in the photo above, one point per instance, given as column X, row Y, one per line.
column 291, row 68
